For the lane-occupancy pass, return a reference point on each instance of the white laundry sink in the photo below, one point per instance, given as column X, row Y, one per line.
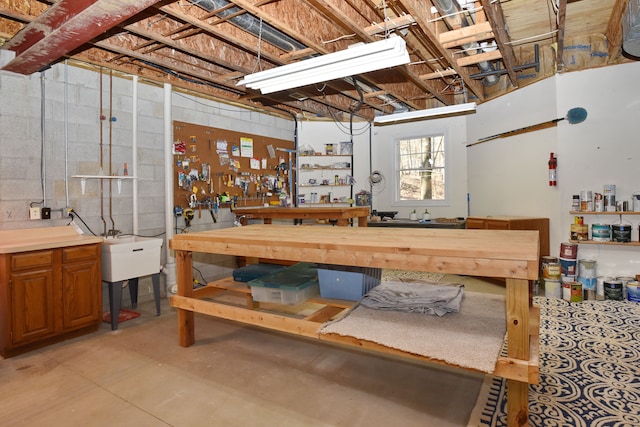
column 128, row 257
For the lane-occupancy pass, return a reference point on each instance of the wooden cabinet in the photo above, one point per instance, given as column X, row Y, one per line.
column 514, row 223
column 48, row 295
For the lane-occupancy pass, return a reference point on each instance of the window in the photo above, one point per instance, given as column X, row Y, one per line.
column 421, row 169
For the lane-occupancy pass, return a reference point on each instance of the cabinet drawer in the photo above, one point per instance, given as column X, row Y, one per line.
column 80, row 253
column 29, row 260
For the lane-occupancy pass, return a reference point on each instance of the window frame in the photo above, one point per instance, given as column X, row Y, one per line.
column 447, row 172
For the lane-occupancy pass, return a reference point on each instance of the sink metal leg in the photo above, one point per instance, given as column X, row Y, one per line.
column 155, row 279
column 133, row 292
column 115, row 296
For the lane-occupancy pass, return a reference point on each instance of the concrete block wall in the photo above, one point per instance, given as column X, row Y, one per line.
column 67, row 143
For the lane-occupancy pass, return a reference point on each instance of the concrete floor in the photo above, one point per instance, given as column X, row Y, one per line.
column 232, row 376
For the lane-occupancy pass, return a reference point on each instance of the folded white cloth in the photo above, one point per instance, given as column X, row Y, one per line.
column 429, row 298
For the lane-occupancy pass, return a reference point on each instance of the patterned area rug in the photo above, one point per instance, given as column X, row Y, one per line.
column 589, row 368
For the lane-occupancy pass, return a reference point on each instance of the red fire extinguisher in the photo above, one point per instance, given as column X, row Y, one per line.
column 553, row 166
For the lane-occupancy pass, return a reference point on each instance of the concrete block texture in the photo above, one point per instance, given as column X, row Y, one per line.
column 74, row 140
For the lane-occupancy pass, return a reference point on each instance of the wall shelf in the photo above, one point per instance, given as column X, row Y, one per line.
column 604, row 213
column 119, row 178
column 593, row 242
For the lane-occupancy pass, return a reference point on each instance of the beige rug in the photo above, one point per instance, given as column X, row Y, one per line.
column 471, row 338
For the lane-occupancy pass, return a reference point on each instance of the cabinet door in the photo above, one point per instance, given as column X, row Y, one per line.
column 497, row 224
column 32, row 305
column 81, row 294
column 476, row 223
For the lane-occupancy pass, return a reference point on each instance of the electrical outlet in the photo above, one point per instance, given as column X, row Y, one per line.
column 35, row 213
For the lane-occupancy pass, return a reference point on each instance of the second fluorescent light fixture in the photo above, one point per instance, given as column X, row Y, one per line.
column 429, row 113
column 358, row 58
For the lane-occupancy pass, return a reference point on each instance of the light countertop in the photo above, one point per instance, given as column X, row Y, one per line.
column 31, row 239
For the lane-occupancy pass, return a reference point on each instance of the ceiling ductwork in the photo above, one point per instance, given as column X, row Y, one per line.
column 249, row 23
column 450, row 10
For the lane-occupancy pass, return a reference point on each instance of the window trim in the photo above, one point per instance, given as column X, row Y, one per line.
column 447, row 173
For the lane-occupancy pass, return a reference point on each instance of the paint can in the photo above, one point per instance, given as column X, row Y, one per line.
column 621, row 232
column 551, row 270
column 586, row 201
column 636, row 202
column 609, row 194
column 579, row 232
column 625, row 280
column 588, row 283
column 600, row 286
column 633, row 291
column 601, row 232
column 587, row 268
column 576, row 292
column 575, row 203
column 552, row 289
column 598, row 202
column 568, row 250
column 568, row 266
column 613, row 290
column 566, row 291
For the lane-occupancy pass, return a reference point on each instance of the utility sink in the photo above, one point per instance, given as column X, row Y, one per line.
column 124, row 258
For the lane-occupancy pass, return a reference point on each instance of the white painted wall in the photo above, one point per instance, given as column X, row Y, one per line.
column 383, row 160
column 509, row 176
column 602, row 150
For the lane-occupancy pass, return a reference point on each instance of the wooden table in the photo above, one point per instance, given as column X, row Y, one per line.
column 487, row 253
column 341, row 214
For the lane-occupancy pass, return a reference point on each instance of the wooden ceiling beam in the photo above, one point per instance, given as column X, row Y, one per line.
column 457, row 37
column 415, row 85
column 64, row 27
column 562, row 18
column 495, row 16
column 439, row 74
column 419, row 10
column 390, row 25
column 480, row 57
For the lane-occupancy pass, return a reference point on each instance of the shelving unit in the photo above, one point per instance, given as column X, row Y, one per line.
column 593, row 242
column 331, row 174
column 84, row 178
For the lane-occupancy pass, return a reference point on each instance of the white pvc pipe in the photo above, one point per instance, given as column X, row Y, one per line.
column 134, row 153
column 169, row 268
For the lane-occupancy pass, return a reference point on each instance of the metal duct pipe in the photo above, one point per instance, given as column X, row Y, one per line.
column 250, row 23
column 449, row 9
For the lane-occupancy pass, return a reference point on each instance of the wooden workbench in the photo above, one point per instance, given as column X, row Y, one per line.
column 487, row 253
column 341, row 214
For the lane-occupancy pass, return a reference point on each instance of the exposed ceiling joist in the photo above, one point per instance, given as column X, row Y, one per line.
column 481, row 51
column 66, row 26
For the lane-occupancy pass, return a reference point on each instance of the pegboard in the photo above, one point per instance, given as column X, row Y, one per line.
column 214, row 165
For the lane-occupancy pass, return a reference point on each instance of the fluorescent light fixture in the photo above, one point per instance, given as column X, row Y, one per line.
column 429, row 113
column 358, row 58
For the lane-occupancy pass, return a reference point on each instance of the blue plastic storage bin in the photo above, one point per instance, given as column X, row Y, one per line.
column 345, row 282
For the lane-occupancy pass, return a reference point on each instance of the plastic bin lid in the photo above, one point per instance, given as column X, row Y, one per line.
column 295, row 277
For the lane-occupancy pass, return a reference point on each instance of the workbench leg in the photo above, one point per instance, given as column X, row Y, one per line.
column 363, row 221
column 517, row 403
column 518, row 340
column 184, row 279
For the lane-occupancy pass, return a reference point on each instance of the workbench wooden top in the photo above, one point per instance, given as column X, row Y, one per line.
column 489, row 253
column 31, row 239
